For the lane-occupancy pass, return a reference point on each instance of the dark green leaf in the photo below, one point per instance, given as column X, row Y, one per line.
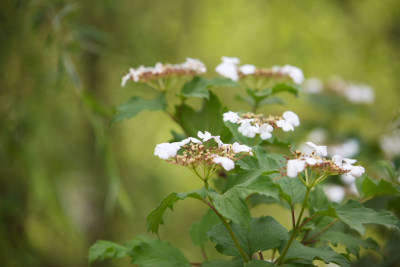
column 370, row 188
column 326, row 254
column 208, row 118
column 222, row 263
column 198, row 86
column 317, row 200
column 199, row 230
column 104, row 250
column 292, row 189
column 351, row 242
column 155, row 217
column 356, row 215
column 264, row 233
column 148, row 252
column 135, row 105
column 267, row 163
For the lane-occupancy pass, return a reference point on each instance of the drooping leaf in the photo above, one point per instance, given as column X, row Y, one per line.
column 298, row 251
column 155, row 217
column 208, row 118
column 291, row 88
column 148, row 252
column 292, row 189
column 198, row 86
column 369, row 188
column 351, row 242
column 106, row 250
column 264, row 233
column 355, row 215
column 199, row 229
column 135, row 105
column 223, row 263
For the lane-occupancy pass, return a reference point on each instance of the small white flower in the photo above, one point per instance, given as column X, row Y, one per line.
column 166, row 150
column 359, row 93
column 231, row 117
column 313, row 86
column 246, row 129
column 125, row 79
column 228, row 68
column 194, row 64
column 295, row 166
column 349, row 148
column 312, row 161
column 206, row 136
column 338, row 160
column 226, row 163
column 289, row 121
column 265, row 131
column 320, row 150
column 334, row 193
column 247, row 69
column 294, row 73
column 347, row 178
column 357, row 171
column 237, row 148
column 188, row 140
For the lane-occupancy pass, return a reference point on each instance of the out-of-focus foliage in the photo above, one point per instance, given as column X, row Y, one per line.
column 68, row 177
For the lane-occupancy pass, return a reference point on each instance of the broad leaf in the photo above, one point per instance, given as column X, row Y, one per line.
column 199, row 230
column 317, row 200
column 223, row 263
column 291, row 88
column 264, row 233
column 356, row 215
column 369, row 188
column 155, row 217
column 148, row 252
column 298, row 251
column 292, row 189
column 106, row 250
column 198, row 86
column 208, row 118
column 267, row 163
column 135, row 105
column 351, row 242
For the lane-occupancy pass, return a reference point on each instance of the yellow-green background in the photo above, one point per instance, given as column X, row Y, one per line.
column 69, row 178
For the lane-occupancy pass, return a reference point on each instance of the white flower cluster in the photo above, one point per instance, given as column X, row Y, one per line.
column 196, row 153
column 251, row 124
column 355, row 93
column 143, row 74
column 338, row 164
column 230, row 68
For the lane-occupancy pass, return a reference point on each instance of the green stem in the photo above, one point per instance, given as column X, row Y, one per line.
column 312, row 239
column 295, row 229
column 230, row 232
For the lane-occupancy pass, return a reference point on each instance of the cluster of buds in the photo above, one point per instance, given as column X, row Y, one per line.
column 230, row 68
column 193, row 153
column 190, row 67
column 355, row 93
column 320, row 165
column 252, row 124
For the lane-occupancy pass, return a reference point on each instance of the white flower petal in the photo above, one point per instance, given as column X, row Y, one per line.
column 286, row 127
column 291, row 117
column 334, row 193
column 357, row 171
column 226, row 163
column 166, row 150
column 265, row 131
column 247, row 69
column 231, row 117
column 237, row 148
column 320, row 150
column 295, row 166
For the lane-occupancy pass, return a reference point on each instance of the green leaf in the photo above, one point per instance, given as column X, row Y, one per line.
column 351, row 242
column 104, row 250
column 356, row 215
column 155, row 217
column 208, row 118
column 199, row 230
column 271, row 101
column 222, row 263
column 370, row 188
column 317, row 200
column 291, row 88
column 266, row 163
column 326, row 254
column 148, row 252
column 264, row 233
column 135, row 105
column 231, row 204
column 259, row 263
column 292, row 189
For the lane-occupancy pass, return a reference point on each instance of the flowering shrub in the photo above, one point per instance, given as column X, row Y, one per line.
column 244, row 174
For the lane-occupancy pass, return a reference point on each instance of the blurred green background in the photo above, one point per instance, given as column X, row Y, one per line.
column 69, row 178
